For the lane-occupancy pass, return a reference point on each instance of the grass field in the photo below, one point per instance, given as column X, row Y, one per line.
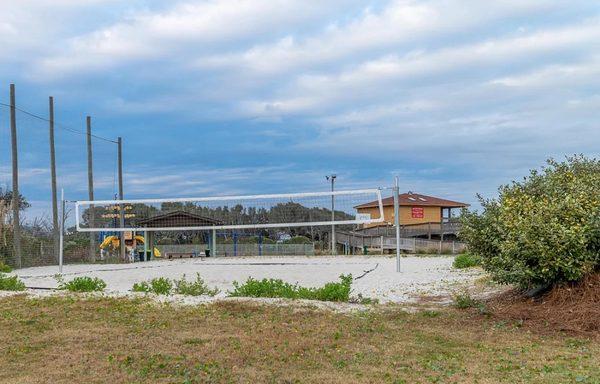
column 100, row 340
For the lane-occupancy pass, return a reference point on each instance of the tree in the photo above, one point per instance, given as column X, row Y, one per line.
column 542, row 230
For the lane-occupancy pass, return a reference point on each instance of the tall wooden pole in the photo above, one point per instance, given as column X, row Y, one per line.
column 121, row 208
column 55, row 227
column 92, row 254
column 16, row 200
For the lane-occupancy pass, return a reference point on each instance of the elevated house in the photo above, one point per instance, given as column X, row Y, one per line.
column 420, row 215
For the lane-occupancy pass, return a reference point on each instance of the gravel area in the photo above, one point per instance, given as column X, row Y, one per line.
column 421, row 278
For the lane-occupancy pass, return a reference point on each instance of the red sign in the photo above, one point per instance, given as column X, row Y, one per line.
column 417, row 212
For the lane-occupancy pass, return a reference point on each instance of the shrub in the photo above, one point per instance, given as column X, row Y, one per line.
column 194, row 288
column 82, row 284
column 334, row 291
column 159, row 286
column 11, row 283
column 466, row 260
column 542, row 230
column 5, row 268
column 298, row 240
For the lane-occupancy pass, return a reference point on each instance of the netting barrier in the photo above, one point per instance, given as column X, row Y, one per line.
column 228, row 212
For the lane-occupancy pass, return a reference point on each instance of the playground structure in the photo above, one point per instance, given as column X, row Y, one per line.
column 112, row 244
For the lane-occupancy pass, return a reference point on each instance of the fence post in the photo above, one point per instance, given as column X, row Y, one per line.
column 381, row 244
column 453, row 248
column 440, row 250
column 62, row 232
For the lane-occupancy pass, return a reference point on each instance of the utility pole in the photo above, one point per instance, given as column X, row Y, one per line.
column 92, row 255
column 332, row 179
column 16, row 197
column 121, row 207
column 397, row 221
column 55, row 227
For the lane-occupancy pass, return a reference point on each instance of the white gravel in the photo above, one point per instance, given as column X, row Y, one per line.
column 429, row 277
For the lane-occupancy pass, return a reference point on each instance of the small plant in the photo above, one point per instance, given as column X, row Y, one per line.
column 5, row 268
column 165, row 286
column 82, row 284
column 11, row 283
column 334, row 291
column 194, row 288
column 466, row 260
column 464, row 300
column 159, row 286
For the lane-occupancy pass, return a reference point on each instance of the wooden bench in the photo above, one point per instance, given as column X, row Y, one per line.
column 181, row 255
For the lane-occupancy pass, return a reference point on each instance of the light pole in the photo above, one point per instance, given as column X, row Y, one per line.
column 332, row 178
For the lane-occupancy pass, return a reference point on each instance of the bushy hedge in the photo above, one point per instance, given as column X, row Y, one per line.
column 544, row 229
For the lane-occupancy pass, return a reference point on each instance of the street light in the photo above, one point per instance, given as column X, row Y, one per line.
column 332, row 178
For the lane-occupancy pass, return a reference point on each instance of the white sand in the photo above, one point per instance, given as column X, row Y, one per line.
column 420, row 276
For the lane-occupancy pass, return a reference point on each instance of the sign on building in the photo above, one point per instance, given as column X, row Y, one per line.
column 418, row 212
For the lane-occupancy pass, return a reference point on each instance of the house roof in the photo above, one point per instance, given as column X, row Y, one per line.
column 416, row 199
column 178, row 218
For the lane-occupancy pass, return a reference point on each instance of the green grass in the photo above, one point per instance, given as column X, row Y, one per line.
column 11, row 283
column 82, row 284
column 165, row 286
column 466, row 260
column 118, row 340
column 333, row 291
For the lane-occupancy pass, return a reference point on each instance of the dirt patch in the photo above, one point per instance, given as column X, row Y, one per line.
column 573, row 308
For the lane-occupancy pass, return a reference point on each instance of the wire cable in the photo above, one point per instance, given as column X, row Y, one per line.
column 66, row 128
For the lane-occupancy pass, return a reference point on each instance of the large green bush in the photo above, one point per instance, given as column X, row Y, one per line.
column 544, row 229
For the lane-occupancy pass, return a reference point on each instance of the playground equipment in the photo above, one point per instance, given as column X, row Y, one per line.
column 114, row 242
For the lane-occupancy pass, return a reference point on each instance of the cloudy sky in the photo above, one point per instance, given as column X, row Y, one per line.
column 248, row 96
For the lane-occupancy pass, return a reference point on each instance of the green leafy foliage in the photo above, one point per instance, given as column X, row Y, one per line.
column 165, row 286
column 333, row 291
column 159, row 286
column 11, row 283
column 194, row 288
column 5, row 268
column 466, row 260
column 542, row 230
column 82, row 284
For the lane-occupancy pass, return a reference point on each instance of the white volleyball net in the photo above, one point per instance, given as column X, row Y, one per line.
column 231, row 212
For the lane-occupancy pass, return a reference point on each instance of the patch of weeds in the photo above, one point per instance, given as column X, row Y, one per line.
column 360, row 299
column 464, row 300
column 159, row 286
column 11, row 283
column 430, row 314
column 82, row 284
column 466, row 260
column 333, row 291
column 5, row 268
column 194, row 288
column 165, row 286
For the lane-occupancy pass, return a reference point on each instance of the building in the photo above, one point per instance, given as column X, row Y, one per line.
column 414, row 209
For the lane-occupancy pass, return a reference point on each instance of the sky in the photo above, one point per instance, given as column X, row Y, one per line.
column 221, row 97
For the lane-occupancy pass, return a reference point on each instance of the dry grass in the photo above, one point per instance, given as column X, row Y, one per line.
column 100, row 340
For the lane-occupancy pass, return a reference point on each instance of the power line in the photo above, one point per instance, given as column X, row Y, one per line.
column 69, row 129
